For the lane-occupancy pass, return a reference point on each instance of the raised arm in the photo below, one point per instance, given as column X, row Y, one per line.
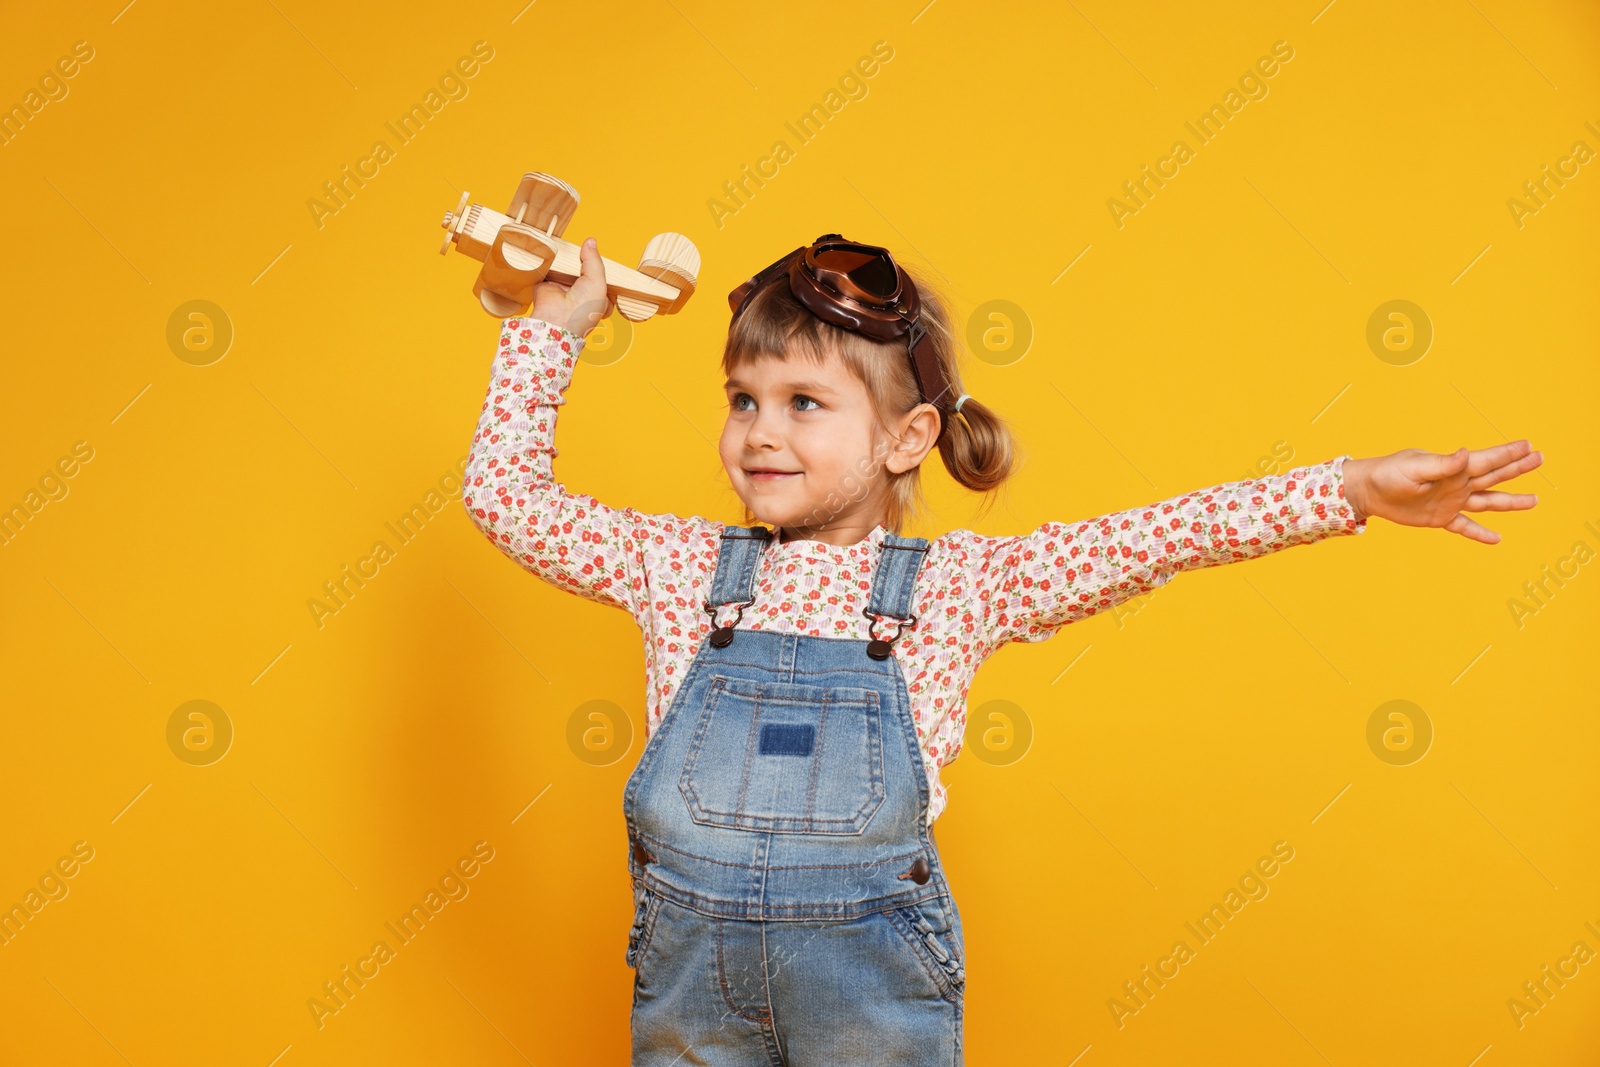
column 1031, row 585
column 569, row 539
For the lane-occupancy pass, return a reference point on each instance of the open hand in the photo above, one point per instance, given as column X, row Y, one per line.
column 579, row 306
column 1417, row 488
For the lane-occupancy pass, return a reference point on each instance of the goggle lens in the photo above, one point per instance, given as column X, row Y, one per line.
column 871, row 269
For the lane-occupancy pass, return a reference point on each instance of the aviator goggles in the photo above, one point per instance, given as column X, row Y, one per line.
column 859, row 288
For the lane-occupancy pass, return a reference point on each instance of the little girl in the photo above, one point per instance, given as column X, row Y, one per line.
column 808, row 670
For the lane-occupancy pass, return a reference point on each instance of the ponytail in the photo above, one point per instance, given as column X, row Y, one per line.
column 977, row 448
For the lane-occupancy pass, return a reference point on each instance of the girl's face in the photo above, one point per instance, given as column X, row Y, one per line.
column 805, row 452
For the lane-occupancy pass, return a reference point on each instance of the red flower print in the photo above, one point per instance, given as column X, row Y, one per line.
column 973, row 593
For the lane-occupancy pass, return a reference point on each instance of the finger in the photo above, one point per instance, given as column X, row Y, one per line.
column 1507, row 472
column 1467, row 528
column 1484, row 460
column 1498, row 501
column 1431, row 466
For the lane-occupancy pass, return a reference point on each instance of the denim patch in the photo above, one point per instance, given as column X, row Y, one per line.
column 783, row 739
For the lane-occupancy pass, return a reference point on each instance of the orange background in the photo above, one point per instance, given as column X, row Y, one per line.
column 1224, row 323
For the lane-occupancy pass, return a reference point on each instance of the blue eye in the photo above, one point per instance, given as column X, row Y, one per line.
column 800, row 398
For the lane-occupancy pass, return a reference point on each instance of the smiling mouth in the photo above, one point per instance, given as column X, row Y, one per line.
column 767, row 474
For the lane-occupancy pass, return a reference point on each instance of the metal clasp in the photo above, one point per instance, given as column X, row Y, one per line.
column 722, row 636
column 874, row 619
column 711, row 609
column 877, row 647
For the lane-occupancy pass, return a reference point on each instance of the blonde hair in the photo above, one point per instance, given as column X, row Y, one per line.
column 977, row 448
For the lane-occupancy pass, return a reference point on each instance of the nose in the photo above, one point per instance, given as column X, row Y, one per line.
column 763, row 431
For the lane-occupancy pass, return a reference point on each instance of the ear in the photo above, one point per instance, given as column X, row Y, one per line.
column 919, row 431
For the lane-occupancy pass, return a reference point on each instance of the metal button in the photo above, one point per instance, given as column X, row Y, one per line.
column 721, row 636
column 920, row 871
column 642, row 857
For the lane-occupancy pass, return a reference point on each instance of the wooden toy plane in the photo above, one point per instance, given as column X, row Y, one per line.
column 517, row 254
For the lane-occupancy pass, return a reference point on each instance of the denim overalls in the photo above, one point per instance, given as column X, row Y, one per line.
column 791, row 909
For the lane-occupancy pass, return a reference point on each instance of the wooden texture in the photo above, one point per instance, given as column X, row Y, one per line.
column 524, row 247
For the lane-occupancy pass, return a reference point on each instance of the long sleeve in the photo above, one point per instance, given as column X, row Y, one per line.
column 570, row 540
column 1031, row 585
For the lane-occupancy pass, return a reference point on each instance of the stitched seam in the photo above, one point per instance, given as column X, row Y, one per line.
column 809, row 637
column 953, row 1029
column 722, row 982
column 766, row 696
column 877, row 787
column 843, row 826
column 766, row 985
column 816, row 763
column 888, row 862
column 701, row 727
column 647, row 933
column 743, row 913
column 743, row 795
column 884, row 674
column 913, row 937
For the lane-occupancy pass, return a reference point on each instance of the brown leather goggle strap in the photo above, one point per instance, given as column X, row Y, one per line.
column 929, row 374
column 741, row 296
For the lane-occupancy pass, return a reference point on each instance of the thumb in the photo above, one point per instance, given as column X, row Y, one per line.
column 1438, row 466
column 588, row 292
column 593, row 270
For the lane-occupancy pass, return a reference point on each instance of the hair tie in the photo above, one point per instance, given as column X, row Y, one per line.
column 964, row 396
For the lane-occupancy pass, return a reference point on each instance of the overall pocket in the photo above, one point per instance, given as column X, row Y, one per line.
column 937, row 948
column 646, row 907
column 785, row 757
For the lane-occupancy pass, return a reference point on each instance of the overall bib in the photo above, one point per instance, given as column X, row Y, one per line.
column 791, row 908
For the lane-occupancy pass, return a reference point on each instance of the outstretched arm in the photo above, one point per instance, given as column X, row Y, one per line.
column 569, row 539
column 1031, row 585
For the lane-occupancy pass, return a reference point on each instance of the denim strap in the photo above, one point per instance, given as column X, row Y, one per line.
column 895, row 579
column 738, row 559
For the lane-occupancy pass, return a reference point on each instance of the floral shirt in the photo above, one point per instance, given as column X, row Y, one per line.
column 974, row 593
